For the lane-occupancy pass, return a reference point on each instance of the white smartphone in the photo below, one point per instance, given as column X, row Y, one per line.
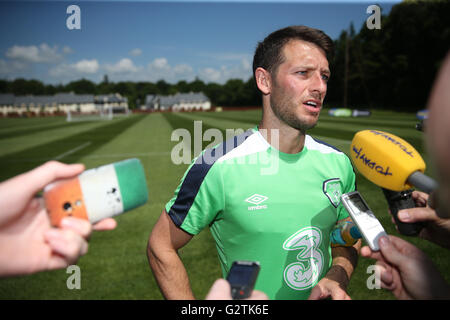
column 369, row 226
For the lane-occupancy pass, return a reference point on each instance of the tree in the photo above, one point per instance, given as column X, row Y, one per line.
column 197, row 85
column 162, row 87
column 393, row 67
column 182, row 86
column 5, row 86
column 389, row 68
column 24, row 87
column 82, row 86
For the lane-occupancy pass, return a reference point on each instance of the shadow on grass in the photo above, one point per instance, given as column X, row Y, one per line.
column 79, row 144
column 31, row 130
column 178, row 122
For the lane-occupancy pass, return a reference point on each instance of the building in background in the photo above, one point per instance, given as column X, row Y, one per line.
column 82, row 103
column 11, row 105
column 115, row 102
column 193, row 101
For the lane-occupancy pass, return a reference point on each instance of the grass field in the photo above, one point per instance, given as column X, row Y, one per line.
column 116, row 266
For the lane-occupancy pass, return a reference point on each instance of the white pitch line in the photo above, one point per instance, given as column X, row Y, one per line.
column 96, row 156
column 128, row 155
column 84, row 145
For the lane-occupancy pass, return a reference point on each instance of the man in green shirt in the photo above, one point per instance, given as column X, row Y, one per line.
column 272, row 194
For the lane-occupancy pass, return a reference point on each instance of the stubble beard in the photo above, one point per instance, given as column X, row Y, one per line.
column 284, row 110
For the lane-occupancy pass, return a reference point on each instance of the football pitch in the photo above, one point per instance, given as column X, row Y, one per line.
column 116, row 265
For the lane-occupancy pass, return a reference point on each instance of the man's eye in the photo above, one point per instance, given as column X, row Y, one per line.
column 325, row 77
column 302, row 72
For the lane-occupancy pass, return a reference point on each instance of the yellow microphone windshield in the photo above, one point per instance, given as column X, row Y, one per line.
column 385, row 159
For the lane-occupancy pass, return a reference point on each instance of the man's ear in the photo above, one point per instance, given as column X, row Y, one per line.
column 263, row 80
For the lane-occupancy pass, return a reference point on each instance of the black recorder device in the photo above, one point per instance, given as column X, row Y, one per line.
column 242, row 278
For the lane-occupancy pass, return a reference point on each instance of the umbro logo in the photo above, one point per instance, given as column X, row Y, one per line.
column 257, row 199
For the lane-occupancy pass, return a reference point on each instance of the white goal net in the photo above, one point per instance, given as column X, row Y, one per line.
column 90, row 116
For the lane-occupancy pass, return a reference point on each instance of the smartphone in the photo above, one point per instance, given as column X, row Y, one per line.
column 98, row 193
column 369, row 226
column 242, row 278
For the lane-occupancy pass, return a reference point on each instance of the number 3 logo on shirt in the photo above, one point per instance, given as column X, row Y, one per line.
column 304, row 273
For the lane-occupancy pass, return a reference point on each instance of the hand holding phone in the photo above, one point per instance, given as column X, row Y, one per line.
column 242, row 278
column 98, row 193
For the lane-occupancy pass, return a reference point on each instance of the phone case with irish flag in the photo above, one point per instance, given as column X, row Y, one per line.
column 98, row 193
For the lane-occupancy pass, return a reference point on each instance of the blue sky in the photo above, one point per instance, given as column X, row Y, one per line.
column 149, row 40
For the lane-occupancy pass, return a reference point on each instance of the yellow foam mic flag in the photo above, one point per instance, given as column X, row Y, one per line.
column 389, row 161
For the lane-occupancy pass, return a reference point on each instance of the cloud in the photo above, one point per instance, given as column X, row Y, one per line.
column 157, row 69
column 183, row 69
column 81, row 67
column 12, row 67
column 240, row 70
column 124, row 65
column 136, row 52
column 232, row 66
column 21, row 60
column 160, row 68
column 210, row 75
column 159, row 63
column 86, row 66
column 37, row 54
column 225, row 56
column 124, row 70
column 35, row 59
column 67, row 50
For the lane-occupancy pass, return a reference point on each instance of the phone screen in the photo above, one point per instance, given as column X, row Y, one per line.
column 240, row 274
column 357, row 203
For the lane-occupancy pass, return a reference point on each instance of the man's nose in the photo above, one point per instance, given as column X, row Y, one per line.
column 318, row 85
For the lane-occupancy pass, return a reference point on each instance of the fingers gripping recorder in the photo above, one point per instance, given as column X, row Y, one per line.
column 98, row 193
column 393, row 164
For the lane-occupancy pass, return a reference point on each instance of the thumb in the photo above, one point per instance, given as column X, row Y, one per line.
column 35, row 180
column 18, row 191
column 220, row 290
column 417, row 214
column 316, row 293
column 390, row 252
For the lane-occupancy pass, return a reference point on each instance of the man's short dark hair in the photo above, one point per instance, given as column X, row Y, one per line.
column 269, row 55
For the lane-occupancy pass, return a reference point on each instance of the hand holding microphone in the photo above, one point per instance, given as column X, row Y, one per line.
column 393, row 164
column 435, row 229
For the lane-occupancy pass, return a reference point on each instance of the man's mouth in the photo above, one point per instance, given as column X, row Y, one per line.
column 313, row 105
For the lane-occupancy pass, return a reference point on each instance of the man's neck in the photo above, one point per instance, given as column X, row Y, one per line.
column 281, row 136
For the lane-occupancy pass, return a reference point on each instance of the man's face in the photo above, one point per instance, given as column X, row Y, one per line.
column 299, row 85
column 438, row 134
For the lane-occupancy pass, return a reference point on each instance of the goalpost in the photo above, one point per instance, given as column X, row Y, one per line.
column 91, row 116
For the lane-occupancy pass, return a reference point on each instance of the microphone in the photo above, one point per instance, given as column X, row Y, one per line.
column 98, row 193
column 389, row 161
column 393, row 164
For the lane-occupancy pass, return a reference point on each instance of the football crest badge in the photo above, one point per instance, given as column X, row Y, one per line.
column 333, row 190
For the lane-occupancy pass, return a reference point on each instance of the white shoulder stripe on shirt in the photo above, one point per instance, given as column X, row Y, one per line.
column 256, row 143
column 312, row 144
column 253, row 144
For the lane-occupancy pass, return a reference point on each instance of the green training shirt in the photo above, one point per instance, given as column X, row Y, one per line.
column 267, row 206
